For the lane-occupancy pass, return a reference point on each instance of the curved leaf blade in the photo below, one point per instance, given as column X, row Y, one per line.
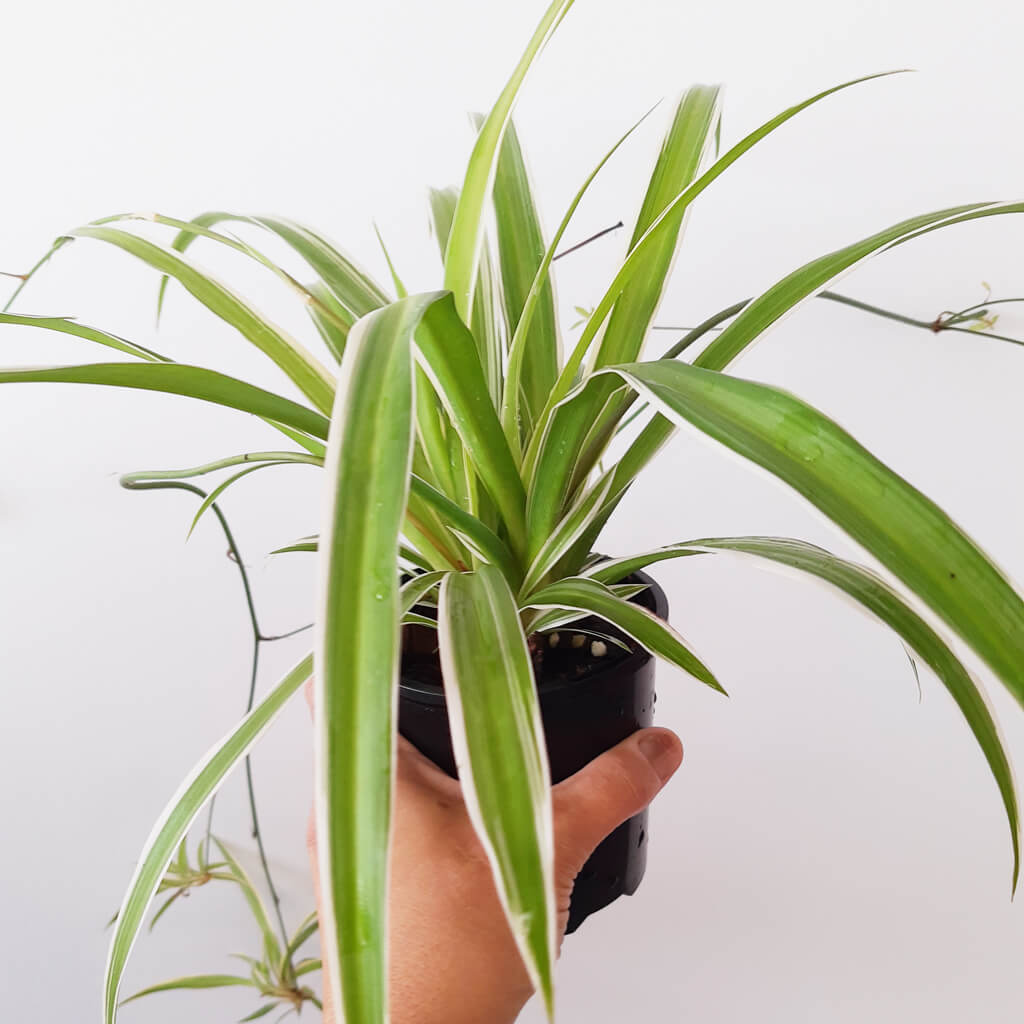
column 352, row 289
column 66, row 325
column 193, row 982
column 511, row 416
column 593, row 598
column 302, row 368
column 684, row 152
column 652, row 237
column 567, row 532
column 414, row 590
column 465, row 240
column 476, row 534
column 906, row 531
column 369, row 455
column 804, row 283
column 554, row 454
column 225, row 484
column 873, row 595
column 173, row 824
column 498, row 740
column 180, row 379
column 271, row 946
column 521, row 252
column 447, row 355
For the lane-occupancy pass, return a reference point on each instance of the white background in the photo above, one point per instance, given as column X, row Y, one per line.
column 832, row 850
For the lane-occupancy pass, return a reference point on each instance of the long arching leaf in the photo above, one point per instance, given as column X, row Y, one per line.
column 467, row 231
column 301, row 367
column 593, row 598
column 180, row 379
column 521, row 254
column 369, row 455
column 511, row 416
column 498, row 740
column 447, row 355
column 66, row 325
column 872, row 594
column 174, row 823
column 906, row 531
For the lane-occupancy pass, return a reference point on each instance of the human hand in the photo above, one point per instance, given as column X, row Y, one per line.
column 452, row 957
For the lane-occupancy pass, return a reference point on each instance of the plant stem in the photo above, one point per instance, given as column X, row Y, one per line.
column 586, row 241
column 936, row 326
column 258, row 638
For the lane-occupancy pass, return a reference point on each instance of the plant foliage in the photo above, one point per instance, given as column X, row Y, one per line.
column 469, row 456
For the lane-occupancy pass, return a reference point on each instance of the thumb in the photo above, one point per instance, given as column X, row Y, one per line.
column 611, row 789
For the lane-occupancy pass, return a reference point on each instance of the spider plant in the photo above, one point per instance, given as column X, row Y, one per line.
column 471, row 462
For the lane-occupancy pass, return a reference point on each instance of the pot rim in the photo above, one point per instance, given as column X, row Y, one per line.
column 653, row 599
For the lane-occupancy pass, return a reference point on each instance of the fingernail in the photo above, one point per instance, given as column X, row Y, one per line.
column 661, row 751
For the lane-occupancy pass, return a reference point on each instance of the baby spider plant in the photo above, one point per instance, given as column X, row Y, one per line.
column 471, row 462
column 275, row 974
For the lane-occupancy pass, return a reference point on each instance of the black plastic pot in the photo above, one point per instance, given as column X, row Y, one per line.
column 583, row 717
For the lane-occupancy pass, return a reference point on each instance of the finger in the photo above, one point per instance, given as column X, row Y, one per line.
column 308, row 688
column 610, row 790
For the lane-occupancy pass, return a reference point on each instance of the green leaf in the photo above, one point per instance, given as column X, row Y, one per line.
column 174, row 823
column 684, row 152
column 58, row 244
column 804, row 283
column 477, row 536
column 567, row 532
column 442, row 212
column 651, row 239
column 614, row 569
column 431, row 422
column 412, row 619
column 399, row 285
column 447, row 354
column 414, row 590
column 906, row 531
column 499, row 748
column 558, row 617
column 593, row 598
column 308, row 967
column 510, row 409
column 306, row 930
column 369, row 454
column 196, row 981
column 646, row 245
column 521, row 253
column 354, row 290
column 271, row 946
column 256, row 1014
column 249, row 458
column 180, row 379
column 302, row 545
column 333, row 334
column 873, row 595
column 165, row 906
column 66, row 325
column 487, row 317
column 467, row 231
column 225, row 484
column 301, row 367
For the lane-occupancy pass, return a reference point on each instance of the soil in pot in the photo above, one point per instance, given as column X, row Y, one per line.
column 589, row 701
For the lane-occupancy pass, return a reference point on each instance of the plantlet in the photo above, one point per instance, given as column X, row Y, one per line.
column 472, row 464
